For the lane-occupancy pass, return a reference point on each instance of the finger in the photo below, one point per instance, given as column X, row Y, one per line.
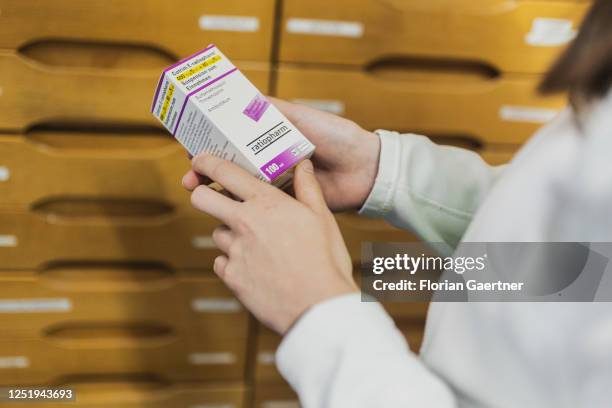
column 286, row 107
column 216, row 204
column 233, row 178
column 293, row 111
column 191, row 180
column 219, row 265
column 307, row 188
column 223, row 238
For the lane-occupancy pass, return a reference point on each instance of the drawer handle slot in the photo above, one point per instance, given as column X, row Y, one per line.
column 398, row 68
column 100, row 138
column 82, row 207
column 110, row 334
column 120, row 380
column 96, row 55
column 137, row 388
column 111, row 276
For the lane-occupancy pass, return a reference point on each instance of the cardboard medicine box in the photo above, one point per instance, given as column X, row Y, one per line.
column 210, row 106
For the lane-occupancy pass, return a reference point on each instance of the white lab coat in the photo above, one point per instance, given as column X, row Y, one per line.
column 346, row 354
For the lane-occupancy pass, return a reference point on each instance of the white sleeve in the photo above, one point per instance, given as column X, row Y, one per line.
column 430, row 189
column 344, row 353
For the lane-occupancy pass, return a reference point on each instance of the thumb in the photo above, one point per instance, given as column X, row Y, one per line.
column 307, row 188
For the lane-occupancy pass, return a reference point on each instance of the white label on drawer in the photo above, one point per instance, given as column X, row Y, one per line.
column 14, row 362
column 213, row 406
column 203, row 242
column 229, row 23
column 8, row 241
column 265, row 358
column 351, row 29
column 211, row 358
column 216, row 305
column 35, row 305
column 331, row 106
column 527, row 114
column 281, row 404
column 5, row 173
column 550, row 32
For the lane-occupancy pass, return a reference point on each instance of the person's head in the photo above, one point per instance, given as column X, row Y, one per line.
column 584, row 70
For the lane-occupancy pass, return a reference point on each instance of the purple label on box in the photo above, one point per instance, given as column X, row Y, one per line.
column 256, row 108
column 284, row 161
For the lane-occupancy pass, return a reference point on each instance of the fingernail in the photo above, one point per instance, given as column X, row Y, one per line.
column 307, row 166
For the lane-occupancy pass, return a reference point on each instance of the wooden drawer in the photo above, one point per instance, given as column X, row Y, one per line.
column 34, row 301
column 34, row 93
column 505, row 110
column 141, row 393
column 242, row 29
column 505, row 35
column 120, row 163
column 33, row 240
column 126, row 347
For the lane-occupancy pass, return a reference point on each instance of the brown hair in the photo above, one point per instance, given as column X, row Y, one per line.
column 585, row 68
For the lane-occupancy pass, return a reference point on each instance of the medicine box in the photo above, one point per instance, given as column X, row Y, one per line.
column 210, row 106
